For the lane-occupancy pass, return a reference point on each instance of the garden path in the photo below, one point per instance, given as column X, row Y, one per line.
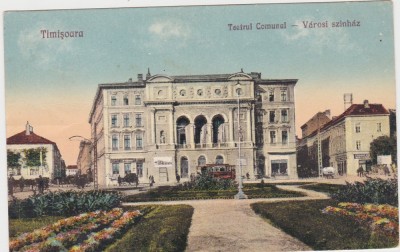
column 231, row 225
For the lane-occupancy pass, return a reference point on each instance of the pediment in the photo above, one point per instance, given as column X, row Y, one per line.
column 160, row 78
column 239, row 76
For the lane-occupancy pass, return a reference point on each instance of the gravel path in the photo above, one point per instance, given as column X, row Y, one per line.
column 231, row 225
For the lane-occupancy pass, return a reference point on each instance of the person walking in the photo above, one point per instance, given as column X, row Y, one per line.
column 119, row 180
column 178, row 178
column 41, row 184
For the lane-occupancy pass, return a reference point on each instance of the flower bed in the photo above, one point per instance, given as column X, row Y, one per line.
column 101, row 226
column 383, row 219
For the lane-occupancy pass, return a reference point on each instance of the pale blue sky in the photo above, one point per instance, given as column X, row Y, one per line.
column 57, row 79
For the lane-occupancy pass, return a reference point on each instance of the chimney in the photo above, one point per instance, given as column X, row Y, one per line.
column 28, row 129
column 140, row 77
column 366, row 104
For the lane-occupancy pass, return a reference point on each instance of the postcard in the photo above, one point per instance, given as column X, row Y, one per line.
column 228, row 127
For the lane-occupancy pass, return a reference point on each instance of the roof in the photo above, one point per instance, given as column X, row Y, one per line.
column 356, row 110
column 32, row 138
column 22, row 138
column 72, row 167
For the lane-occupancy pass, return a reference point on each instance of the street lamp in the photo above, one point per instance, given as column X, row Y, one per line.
column 240, row 194
column 94, row 144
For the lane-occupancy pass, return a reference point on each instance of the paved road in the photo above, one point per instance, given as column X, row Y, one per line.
column 231, row 225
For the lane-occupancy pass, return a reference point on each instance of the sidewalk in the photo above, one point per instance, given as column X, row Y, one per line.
column 231, row 225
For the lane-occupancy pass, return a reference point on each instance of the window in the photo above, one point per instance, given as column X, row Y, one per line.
column 284, row 115
column 114, row 121
column 379, row 127
column 127, row 168
column 138, row 100
column 358, row 128
column 201, row 160
column 272, row 137
column 113, row 100
column 126, row 100
column 284, row 137
column 219, row 159
column 358, row 145
column 272, row 116
column 271, row 96
column 139, row 169
column 259, row 118
column 138, row 120
column 126, row 120
column 115, row 168
column 283, row 95
column 127, row 142
column 139, row 142
column 114, row 142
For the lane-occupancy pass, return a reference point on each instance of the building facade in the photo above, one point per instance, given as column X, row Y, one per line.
column 30, row 155
column 71, row 170
column 84, row 160
column 344, row 140
column 163, row 126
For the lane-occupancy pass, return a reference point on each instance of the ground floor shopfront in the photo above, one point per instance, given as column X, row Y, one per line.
column 165, row 165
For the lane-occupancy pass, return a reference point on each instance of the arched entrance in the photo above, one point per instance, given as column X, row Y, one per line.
column 181, row 124
column 200, row 131
column 218, row 129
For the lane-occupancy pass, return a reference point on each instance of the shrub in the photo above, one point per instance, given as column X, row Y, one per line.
column 373, row 190
column 206, row 182
column 65, row 203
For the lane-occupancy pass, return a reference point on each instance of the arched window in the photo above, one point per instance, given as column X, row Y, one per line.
column 201, row 160
column 181, row 124
column 219, row 159
column 200, row 131
column 218, row 129
column 184, row 167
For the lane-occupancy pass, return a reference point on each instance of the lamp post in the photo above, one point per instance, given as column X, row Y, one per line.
column 240, row 194
column 94, row 144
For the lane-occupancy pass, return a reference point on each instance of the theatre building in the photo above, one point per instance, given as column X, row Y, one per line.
column 163, row 125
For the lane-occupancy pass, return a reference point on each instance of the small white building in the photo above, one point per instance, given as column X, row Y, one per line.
column 30, row 155
column 71, row 170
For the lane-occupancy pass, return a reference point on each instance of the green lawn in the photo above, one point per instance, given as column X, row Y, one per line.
column 304, row 220
column 166, row 193
column 161, row 228
column 322, row 187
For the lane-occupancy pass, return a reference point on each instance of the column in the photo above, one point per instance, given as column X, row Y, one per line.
column 231, row 126
column 171, row 127
column 190, row 135
column 153, row 126
column 248, row 126
column 210, row 133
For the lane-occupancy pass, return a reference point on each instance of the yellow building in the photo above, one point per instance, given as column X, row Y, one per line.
column 163, row 126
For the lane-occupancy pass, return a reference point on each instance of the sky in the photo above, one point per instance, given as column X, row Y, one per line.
column 52, row 82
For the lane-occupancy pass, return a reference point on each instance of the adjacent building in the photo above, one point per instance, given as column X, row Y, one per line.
column 343, row 141
column 163, row 126
column 30, row 155
column 84, row 161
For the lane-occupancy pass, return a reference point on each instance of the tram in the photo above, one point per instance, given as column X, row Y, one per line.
column 222, row 171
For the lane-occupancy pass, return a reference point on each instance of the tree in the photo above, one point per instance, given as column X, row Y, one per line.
column 13, row 159
column 383, row 145
column 32, row 156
